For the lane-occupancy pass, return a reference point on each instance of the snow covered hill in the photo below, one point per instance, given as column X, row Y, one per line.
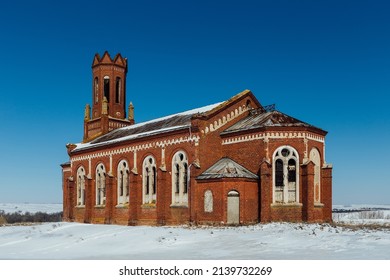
column 264, row 241
column 31, row 207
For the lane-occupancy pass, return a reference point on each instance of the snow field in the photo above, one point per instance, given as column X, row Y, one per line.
column 367, row 238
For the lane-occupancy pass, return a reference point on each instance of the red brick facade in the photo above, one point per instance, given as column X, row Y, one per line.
column 162, row 162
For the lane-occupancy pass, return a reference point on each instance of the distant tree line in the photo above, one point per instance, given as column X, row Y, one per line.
column 27, row 217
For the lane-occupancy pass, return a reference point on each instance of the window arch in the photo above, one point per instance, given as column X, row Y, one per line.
column 316, row 159
column 123, row 182
column 100, row 184
column 149, row 180
column 80, row 186
column 286, row 175
column 180, row 178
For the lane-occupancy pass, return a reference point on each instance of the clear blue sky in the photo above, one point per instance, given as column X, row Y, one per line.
column 325, row 62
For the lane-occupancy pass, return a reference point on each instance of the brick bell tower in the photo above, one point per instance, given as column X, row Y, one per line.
column 108, row 97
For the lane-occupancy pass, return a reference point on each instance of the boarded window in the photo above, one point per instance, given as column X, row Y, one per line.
column 208, row 201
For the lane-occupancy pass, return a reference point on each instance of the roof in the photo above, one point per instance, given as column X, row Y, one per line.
column 157, row 126
column 226, row 168
column 261, row 119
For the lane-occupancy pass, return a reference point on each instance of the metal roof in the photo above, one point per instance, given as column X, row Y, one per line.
column 259, row 119
column 175, row 121
column 226, row 168
column 157, row 126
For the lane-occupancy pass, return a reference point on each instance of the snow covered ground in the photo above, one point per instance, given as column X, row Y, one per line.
column 263, row 241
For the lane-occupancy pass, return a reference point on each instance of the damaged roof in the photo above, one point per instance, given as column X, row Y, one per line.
column 153, row 127
column 226, row 168
column 261, row 119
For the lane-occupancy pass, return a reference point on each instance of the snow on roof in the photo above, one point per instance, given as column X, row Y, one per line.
column 156, row 126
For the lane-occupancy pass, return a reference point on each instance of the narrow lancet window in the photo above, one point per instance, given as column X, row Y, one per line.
column 118, row 89
column 96, row 90
column 80, row 186
column 107, row 88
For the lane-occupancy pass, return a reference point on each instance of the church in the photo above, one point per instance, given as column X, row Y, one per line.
column 235, row 162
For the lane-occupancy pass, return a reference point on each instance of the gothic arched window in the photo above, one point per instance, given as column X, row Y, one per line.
column 286, row 175
column 180, row 179
column 80, row 186
column 100, row 180
column 123, row 182
column 149, row 180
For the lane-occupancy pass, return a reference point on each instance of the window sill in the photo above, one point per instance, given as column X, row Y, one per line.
column 148, row 206
column 100, row 206
column 122, row 206
column 80, row 206
column 318, row 205
column 179, row 205
column 282, row 205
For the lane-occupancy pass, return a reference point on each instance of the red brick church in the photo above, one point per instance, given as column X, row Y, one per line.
column 233, row 162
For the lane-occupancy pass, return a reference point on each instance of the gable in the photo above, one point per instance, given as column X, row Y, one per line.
column 226, row 168
column 228, row 112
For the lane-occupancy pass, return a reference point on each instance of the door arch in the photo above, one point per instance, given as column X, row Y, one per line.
column 233, row 208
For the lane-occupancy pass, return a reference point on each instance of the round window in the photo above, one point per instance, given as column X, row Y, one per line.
column 285, row 152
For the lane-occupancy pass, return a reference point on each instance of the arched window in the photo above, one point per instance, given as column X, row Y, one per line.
column 208, row 201
column 316, row 159
column 180, row 179
column 100, row 185
column 107, row 88
column 96, row 89
column 80, row 186
column 123, row 183
column 285, row 170
column 149, row 180
column 118, row 89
